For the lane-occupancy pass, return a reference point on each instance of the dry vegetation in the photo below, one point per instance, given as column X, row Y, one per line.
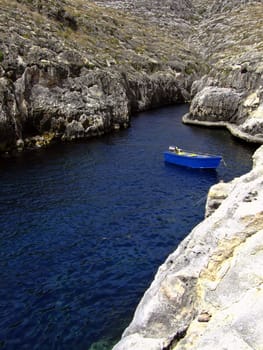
column 104, row 36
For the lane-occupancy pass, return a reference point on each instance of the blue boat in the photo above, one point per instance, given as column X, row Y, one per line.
column 181, row 157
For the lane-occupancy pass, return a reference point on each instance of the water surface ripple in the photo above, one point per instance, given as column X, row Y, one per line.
column 84, row 227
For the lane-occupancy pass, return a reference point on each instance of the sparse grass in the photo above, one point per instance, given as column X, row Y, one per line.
column 112, row 32
column 105, row 32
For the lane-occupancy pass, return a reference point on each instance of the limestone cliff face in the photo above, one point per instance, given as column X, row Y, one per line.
column 208, row 294
column 71, row 69
column 77, row 69
column 231, row 93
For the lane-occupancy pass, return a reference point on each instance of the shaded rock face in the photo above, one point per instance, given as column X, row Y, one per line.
column 216, row 195
column 95, row 103
column 208, row 293
column 8, row 113
column 85, row 106
column 72, row 72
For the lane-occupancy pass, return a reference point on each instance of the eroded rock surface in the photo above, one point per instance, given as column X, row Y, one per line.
column 80, row 69
column 208, row 293
column 77, row 70
column 231, row 34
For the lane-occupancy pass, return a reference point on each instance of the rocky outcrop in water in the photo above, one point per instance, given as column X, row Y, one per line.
column 208, row 293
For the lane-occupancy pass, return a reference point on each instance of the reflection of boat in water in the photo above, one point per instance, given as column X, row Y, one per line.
column 178, row 156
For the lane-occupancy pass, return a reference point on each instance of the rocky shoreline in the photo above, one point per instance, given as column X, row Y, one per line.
column 72, row 71
column 239, row 112
column 208, row 293
column 232, row 128
column 77, row 69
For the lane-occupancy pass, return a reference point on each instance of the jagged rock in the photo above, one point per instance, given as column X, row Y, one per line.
column 242, row 115
column 214, row 104
column 214, row 273
column 60, row 70
column 74, row 130
column 216, row 195
column 8, row 113
column 234, row 54
column 253, row 106
column 65, row 61
column 199, row 85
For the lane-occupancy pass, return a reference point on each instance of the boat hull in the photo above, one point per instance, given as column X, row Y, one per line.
column 193, row 160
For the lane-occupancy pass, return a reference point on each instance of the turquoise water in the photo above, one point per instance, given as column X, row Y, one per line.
column 84, row 227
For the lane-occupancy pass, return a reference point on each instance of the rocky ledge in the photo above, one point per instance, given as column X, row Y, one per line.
column 208, row 294
column 239, row 112
column 72, row 69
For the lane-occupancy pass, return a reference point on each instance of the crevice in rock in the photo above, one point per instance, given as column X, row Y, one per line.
column 176, row 338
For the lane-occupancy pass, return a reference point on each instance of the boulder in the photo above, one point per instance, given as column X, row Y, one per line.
column 213, row 104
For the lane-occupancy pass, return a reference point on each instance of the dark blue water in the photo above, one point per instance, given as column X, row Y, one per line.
column 85, row 226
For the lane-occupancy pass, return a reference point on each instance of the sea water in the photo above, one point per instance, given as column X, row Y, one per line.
column 84, row 227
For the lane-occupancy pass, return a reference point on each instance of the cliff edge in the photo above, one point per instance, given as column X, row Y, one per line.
column 208, row 294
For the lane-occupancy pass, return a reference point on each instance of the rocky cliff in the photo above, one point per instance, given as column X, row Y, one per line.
column 76, row 69
column 228, row 37
column 231, row 37
column 73, row 69
column 208, row 294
